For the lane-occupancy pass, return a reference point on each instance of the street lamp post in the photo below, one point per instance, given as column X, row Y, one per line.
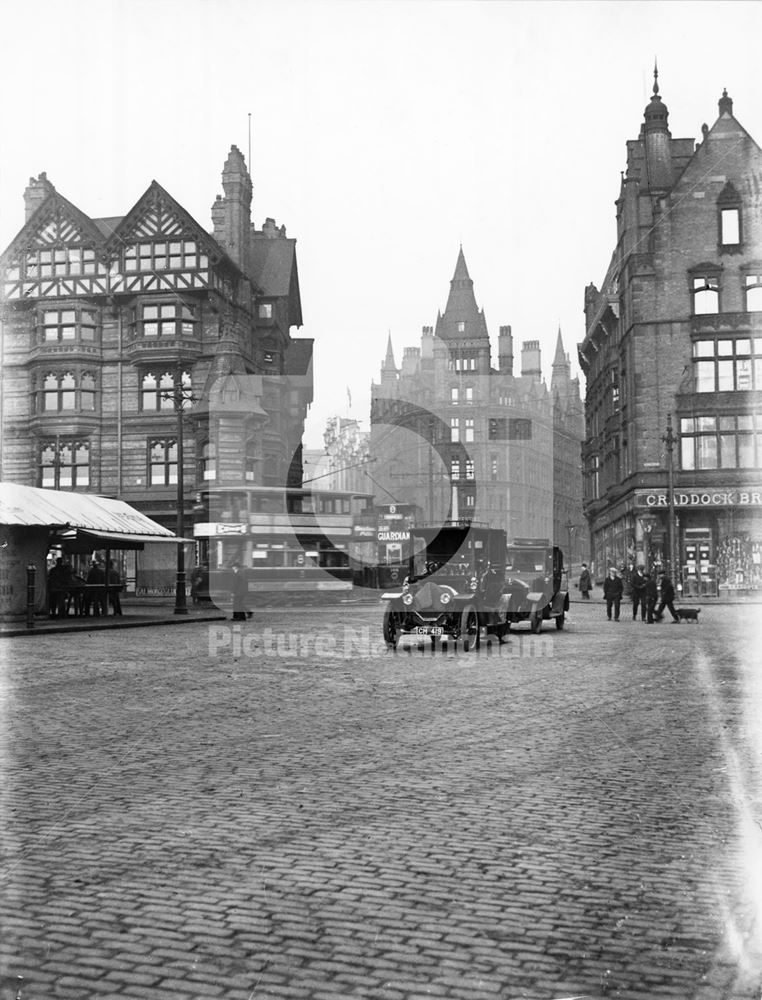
column 570, row 528
column 670, row 440
column 180, row 396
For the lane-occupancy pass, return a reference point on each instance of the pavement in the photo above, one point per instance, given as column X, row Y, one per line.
column 281, row 808
column 140, row 611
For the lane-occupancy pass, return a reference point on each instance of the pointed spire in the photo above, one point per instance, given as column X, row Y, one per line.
column 462, row 318
column 389, row 363
column 656, row 77
column 461, row 269
column 560, row 355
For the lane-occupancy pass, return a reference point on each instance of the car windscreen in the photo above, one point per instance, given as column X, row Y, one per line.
column 525, row 561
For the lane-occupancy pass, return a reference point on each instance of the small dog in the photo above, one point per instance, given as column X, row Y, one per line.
column 688, row 614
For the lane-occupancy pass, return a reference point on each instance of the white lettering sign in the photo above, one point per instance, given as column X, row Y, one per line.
column 393, row 536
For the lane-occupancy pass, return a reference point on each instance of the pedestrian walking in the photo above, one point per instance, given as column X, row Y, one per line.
column 638, row 588
column 652, row 595
column 585, row 583
column 612, row 593
column 667, row 599
column 239, row 589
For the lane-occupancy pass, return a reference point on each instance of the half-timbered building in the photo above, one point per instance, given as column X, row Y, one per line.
column 136, row 343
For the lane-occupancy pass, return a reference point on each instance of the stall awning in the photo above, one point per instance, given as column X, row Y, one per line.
column 84, row 540
column 81, row 521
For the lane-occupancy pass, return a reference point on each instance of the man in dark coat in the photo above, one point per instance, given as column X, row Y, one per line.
column 239, row 589
column 612, row 593
column 638, row 585
column 96, row 597
column 667, row 599
column 652, row 594
column 585, row 582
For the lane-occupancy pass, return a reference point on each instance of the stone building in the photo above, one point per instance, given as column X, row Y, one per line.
column 461, row 439
column 673, row 360
column 346, row 456
column 113, row 326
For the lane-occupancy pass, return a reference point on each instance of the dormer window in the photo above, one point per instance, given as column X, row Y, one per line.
column 729, row 218
column 265, row 310
column 461, row 326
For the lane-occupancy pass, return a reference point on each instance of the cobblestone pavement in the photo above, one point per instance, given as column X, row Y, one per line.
column 282, row 809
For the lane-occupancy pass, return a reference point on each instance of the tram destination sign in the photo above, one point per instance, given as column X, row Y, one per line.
column 721, row 497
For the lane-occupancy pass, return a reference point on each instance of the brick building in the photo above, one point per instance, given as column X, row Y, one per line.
column 456, row 437
column 109, row 325
column 673, row 348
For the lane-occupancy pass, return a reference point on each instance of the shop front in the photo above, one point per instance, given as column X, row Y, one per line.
column 718, row 537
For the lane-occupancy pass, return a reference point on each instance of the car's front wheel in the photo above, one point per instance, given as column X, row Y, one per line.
column 391, row 629
column 469, row 628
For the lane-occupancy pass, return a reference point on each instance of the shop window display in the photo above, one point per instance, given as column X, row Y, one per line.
column 739, row 562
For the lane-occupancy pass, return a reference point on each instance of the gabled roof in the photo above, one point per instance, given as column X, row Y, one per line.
column 718, row 143
column 56, row 221
column 274, row 271
column 156, row 213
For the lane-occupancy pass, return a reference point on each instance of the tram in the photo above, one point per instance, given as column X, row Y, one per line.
column 286, row 540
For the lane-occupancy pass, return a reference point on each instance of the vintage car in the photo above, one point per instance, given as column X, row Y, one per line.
column 536, row 586
column 453, row 589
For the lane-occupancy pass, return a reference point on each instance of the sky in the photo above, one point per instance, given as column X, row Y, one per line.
column 384, row 135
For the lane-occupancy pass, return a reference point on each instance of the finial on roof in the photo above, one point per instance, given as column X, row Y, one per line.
column 656, row 77
column 725, row 103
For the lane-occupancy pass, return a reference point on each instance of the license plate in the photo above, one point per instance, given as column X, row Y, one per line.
column 428, row 630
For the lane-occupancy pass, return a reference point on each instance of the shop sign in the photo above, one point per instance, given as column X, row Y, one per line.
column 702, row 498
column 364, row 531
column 393, row 536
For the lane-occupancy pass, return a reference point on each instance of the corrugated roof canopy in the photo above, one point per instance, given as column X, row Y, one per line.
column 94, row 519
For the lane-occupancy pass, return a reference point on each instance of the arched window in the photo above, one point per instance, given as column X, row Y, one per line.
column 753, row 287
column 208, row 462
column 68, row 392
column 157, row 392
column 250, row 460
column 729, row 219
column 87, row 392
column 59, row 392
column 50, row 392
column 162, row 461
column 706, row 295
column 64, row 464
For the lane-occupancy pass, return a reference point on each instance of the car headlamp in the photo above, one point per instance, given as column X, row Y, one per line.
column 473, row 583
column 407, row 598
column 444, row 598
